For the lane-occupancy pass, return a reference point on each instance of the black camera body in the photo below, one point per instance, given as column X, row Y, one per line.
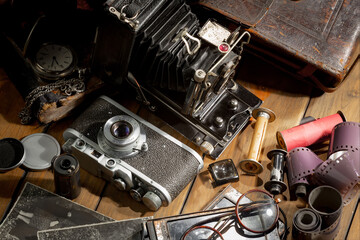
column 183, row 69
column 113, row 143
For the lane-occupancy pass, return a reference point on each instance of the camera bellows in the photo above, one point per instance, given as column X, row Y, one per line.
column 181, row 66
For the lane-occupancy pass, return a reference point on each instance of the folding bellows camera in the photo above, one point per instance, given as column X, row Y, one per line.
column 186, row 71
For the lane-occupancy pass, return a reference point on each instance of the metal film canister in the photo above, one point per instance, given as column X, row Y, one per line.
column 67, row 176
column 276, row 185
column 251, row 165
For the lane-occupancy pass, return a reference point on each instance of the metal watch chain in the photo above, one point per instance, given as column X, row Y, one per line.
column 68, row 87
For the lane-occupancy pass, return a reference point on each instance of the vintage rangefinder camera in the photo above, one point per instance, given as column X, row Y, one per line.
column 182, row 68
column 113, row 143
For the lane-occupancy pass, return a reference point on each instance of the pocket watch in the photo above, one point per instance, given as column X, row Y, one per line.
column 53, row 61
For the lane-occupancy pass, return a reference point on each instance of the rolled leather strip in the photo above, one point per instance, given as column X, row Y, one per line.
column 344, row 137
column 342, row 173
column 306, row 224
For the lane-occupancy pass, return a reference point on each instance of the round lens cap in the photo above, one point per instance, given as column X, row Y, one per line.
column 12, row 154
column 40, row 149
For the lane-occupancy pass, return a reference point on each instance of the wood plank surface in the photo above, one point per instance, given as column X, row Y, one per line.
column 11, row 104
column 354, row 230
column 288, row 98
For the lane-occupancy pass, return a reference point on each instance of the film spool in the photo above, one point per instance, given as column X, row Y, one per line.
column 306, row 224
column 67, row 176
column 344, row 137
column 309, row 133
column 301, row 163
column 251, row 165
column 342, row 173
column 276, row 185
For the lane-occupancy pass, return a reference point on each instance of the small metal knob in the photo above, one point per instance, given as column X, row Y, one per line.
column 152, row 201
column 206, row 147
column 233, row 104
column 137, row 194
column 219, row 122
column 199, row 75
column 120, row 184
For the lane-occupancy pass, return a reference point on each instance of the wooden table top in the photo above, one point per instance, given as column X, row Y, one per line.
column 290, row 99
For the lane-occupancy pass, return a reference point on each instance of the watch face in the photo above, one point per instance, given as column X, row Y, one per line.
column 54, row 60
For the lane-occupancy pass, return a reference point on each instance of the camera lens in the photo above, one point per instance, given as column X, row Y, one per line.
column 121, row 129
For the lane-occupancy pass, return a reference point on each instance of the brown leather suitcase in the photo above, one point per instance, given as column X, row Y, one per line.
column 314, row 40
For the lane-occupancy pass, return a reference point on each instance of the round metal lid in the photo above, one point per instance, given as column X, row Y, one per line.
column 40, row 149
column 12, row 154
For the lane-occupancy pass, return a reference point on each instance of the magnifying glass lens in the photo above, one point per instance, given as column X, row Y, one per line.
column 258, row 212
column 202, row 232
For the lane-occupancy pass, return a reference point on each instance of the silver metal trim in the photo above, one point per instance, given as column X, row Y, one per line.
column 72, row 133
column 164, row 134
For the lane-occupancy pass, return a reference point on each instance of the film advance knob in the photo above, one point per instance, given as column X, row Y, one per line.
column 152, row 201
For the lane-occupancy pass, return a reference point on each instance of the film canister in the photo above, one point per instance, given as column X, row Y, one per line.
column 67, row 176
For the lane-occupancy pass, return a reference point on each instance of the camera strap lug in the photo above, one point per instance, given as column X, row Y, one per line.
column 122, row 16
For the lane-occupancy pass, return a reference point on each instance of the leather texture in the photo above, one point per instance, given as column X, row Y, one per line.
column 314, row 40
column 167, row 163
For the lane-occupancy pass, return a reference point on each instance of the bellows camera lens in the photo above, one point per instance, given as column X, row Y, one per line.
column 121, row 129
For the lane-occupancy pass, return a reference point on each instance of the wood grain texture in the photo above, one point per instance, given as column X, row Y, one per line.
column 289, row 99
column 11, row 104
column 355, row 225
column 346, row 99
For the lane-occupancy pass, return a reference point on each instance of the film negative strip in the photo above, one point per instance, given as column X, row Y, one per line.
column 304, row 230
column 301, row 163
column 322, row 219
column 344, row 137
column 342, row 173
column 306, row 224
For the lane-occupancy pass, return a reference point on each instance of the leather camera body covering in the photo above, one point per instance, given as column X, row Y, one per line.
column 317, row 41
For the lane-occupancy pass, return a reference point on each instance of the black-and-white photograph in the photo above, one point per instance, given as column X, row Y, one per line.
column 127, row 230
column 38, row 209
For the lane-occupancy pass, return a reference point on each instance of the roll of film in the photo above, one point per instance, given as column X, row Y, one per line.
column 67, row 176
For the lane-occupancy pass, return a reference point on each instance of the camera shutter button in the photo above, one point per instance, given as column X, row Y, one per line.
column 152, row 201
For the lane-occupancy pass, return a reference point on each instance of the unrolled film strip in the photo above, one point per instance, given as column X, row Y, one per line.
column 302, row 162
column 344, row 137
column 342, row 173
